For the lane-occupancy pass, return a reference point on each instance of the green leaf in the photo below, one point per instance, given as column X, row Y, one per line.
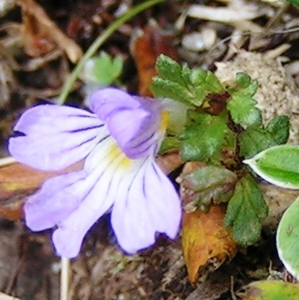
column 228, row 148
column 295, row 2
column 209, row 184
column 242, row 105
column 170, row 69
column 256, row 139
column 183, row 84
column 279, row 128
column 287, row 239
column 245, row 210
column 243, row 80
column 164, row 88
column 203, row 138
column 169, row 143
column 102, row 70
column 270, row 290
column 279, row 165
column 206, row 81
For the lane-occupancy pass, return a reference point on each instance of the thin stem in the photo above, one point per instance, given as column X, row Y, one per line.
column 64, row 278
column 65, row 262
column 99, row 42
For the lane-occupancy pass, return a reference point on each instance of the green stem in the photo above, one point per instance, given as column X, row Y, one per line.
column 99, row 42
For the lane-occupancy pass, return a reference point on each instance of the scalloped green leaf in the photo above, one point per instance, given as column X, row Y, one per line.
column 245, row 210
column 102, row 69
column 203, row 138
column 254, row 140
column 170, row 69
column 164, row 88
column 243, row 80
column 279, row 128
column 183, row 84
column 206, row 80
column 257, row 139
column 242, row 105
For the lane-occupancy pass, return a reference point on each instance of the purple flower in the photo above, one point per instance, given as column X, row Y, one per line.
column 118, row 141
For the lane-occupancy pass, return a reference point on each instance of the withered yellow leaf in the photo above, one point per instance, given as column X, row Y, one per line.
column 206, row 243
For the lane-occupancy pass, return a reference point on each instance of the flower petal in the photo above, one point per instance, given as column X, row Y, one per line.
column 146, row 203
column 68, row 237
column 108, row 170
column 133, row 121
column 55, row 137
column 57, row 199
column 105, row 102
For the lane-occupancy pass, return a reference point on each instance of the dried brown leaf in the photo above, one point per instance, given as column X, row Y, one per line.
column 206, row 243
column 146, row 47
column 17, row 182
column 170, row 161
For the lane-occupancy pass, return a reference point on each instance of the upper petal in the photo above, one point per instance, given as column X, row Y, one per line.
column 54, row 137
column 146, row 203
column 133, row 121
column 105, row 102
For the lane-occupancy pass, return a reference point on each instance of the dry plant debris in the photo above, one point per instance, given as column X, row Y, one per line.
column 39, row 31
column 7, row 297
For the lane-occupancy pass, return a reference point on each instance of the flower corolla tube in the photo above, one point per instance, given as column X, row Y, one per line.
column 119, row 140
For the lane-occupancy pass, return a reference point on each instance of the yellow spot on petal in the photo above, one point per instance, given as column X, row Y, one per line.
column 116, row 154
column 164, row 120
column 126, row 162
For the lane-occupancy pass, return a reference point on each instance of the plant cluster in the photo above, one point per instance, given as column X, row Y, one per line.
column 223, row 127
